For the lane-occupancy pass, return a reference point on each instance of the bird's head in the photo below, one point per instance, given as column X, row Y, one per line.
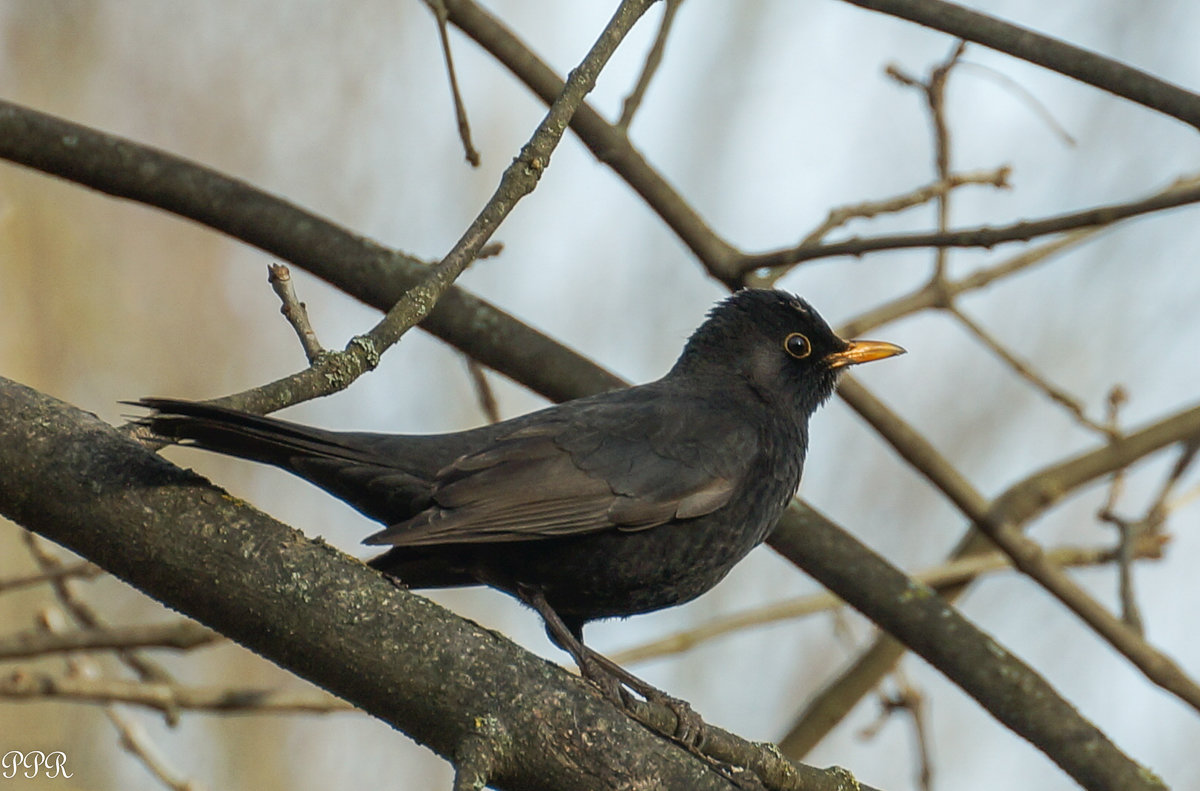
column 779, row 345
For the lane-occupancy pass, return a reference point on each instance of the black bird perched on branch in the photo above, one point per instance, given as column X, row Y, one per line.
column 619, row 503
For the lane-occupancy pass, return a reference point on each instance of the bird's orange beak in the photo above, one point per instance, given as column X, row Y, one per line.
column 863, row 352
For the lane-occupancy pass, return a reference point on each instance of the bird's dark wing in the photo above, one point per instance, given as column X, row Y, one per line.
column 624, row 465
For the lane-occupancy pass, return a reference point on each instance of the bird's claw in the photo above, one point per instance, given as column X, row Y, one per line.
column 689, row 726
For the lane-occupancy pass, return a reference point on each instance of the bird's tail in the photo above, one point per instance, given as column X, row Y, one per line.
column 247, row 436
column 365, row 470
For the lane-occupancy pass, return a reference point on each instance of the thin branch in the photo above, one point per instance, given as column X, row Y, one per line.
column 840, row 215
column 653, row 60
column 1154, row 664
column 133, row 738
column 377, row 275
column 27, row 686
column 908, row 700
column 334, row 371
column 721, row 259
column 295, row 311
column 1001, row 522
column 1024, row 94
column 1126, row 531
column 931, row 295
column 934, row 91
column 82, row 570
column 914, row 448
column 85, row 616
column 983, row 236
column 1150, row 524
column 607, row 143
column 460, row 110
column 483, row 390
column 182, row 635
column 135, row 741
column 1025, row 370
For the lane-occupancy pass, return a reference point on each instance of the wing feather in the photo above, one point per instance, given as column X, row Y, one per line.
column 609, row 466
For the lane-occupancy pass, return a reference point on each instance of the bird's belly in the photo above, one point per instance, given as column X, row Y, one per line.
column 624, row 573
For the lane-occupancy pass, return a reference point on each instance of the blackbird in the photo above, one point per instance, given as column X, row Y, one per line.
column 619, row 503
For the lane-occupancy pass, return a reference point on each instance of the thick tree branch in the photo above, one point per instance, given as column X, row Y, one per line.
column 1008, row 688
column 167, row 532
column 953, row 573
column 1017, row 505
column 81, row 483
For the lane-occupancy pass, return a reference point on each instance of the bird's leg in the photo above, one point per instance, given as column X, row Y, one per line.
column 611, row 678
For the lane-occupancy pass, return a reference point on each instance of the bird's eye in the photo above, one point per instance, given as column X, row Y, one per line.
column 797, row 345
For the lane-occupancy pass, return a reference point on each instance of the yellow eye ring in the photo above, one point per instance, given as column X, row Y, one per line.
column 797, row 345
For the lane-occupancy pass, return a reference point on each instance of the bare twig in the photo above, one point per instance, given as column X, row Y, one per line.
column 82, row 570
column 909, row 700
column 1038, row 107
column 334, row 371
column 1155, row 665
column 295, row 311
column 1149, row 524
column 1025, row 370
column 460, row 111
column 86, row 617
column 653, row 60
column 721, row 259
column 1010, row 690
column 31, row 686
column 135, row 741
column 376, row 275
column 609, row 144
column 983, row 236
column 182, row 635
column 841, row 215
column 934, row 91
column 1130, row 614
column 483, row 390
column 932, row 295
column 133, row 738
column 1002, row 520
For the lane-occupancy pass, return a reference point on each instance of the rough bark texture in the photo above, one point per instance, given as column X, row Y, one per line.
column 462, row 690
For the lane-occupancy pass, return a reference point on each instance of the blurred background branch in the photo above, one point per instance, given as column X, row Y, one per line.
column 1095, row 308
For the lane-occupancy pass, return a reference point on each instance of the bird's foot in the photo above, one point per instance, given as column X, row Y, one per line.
column 689, row 725
column 619, row 685
column 615, row 682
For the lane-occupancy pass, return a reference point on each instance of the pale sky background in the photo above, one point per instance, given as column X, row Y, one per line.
column 764, row 115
